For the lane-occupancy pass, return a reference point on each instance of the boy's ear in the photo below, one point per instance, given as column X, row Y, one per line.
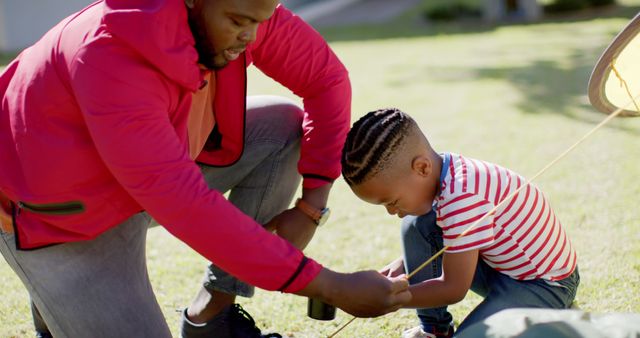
column 422, row 165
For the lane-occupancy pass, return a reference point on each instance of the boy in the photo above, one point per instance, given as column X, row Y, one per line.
column 519, row 256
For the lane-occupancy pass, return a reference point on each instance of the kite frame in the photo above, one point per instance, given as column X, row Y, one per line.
column 602, row 69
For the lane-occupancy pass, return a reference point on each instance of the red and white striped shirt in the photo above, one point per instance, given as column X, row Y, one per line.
column 522, row 238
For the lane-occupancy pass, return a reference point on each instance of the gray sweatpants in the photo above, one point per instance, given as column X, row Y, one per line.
column 100, row 288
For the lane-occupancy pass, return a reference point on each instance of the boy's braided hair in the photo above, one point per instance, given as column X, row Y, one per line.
column 371, row 142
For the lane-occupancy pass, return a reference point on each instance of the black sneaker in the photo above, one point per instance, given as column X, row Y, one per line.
column 243, row 325
column 218, row 327
column 232, row 322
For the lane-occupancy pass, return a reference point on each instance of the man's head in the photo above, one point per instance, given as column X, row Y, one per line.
column 387, row 160
column 222, row 29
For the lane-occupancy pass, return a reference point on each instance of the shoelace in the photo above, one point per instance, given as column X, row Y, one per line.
column 243, row 316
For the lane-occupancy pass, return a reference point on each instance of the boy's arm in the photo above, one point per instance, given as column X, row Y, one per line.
column 451, row 287
column 393, row 269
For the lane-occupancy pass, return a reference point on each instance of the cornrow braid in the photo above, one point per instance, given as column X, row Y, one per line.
column 371, row 141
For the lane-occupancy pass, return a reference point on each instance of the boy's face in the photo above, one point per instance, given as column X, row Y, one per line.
column 222, row 29
column 401, row 195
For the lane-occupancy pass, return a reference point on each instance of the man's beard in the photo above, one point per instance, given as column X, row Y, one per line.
column 204, row 46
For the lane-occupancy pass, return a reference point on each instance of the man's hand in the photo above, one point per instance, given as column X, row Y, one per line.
column 369, row 294
column 394, row 269
column 294, row 226
column 362, row 294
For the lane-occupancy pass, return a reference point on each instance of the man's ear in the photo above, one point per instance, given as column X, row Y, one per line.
column 422, row 165
column 190, row 3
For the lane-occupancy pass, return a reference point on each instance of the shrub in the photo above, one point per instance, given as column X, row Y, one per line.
column 566, row 5
column 574, row 5
column 441, row 13
column 596, row 3
column 449, row 11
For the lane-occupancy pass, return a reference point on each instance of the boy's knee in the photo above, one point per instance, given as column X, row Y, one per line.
column 424, row 227
column 425, row 224
column 408, row 226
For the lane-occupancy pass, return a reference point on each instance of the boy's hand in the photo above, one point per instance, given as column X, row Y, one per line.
column 362, row 294
column 394, row 269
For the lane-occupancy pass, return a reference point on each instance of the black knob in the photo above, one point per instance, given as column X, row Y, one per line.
column 320, row 310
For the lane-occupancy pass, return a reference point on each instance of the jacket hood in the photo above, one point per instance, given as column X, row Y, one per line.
column 159, row 31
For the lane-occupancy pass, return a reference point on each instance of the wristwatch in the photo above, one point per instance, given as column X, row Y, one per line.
column 319, row 216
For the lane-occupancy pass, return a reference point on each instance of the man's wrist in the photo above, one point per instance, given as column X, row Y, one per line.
column 318, row 216
column 323, row 287
column 317, row 197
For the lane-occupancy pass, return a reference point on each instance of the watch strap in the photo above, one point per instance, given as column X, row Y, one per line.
column 308, row 209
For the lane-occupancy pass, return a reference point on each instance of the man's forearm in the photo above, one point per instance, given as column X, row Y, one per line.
column 317, row 197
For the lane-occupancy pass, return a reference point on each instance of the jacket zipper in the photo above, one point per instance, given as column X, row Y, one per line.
column 65, row 208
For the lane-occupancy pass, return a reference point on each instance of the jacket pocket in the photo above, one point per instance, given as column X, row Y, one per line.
column 64, row 208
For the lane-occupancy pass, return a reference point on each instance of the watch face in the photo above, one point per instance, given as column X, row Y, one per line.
column 324, row 216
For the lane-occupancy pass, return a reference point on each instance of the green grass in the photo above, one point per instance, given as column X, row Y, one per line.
column 514, row 95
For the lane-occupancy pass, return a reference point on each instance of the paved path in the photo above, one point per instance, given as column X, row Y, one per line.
column 345, row 12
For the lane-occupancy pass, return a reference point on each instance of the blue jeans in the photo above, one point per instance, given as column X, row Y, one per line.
column 422, row 238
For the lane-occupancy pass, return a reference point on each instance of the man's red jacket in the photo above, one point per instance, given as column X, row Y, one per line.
column 93, row 129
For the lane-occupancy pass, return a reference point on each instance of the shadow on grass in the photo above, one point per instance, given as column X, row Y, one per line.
column 546, row 86
column 553, row 88
column 412, row 24
column 541, row 82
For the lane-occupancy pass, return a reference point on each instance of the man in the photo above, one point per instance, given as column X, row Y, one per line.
column 103, row 118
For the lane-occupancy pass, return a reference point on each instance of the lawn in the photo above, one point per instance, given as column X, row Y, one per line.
column 514, row 95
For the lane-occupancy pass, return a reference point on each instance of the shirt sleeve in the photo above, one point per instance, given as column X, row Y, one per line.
column 291, row 52
column 465, row 212
column 127, row 107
